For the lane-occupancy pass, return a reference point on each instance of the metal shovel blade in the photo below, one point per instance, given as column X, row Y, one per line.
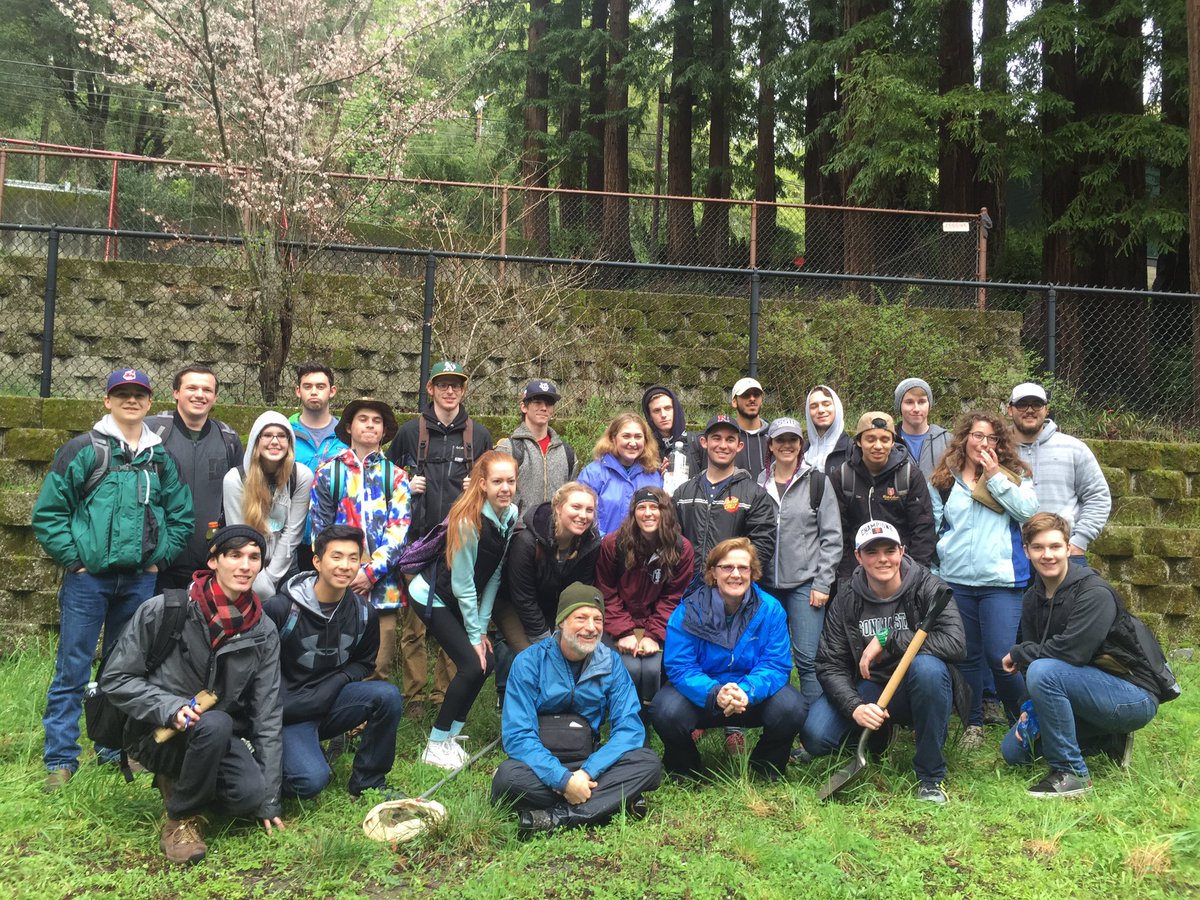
column 849, row 776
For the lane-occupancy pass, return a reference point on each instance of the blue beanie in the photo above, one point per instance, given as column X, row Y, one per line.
column 907, row 385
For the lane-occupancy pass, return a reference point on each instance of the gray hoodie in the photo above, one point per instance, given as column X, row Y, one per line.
column 1068, row 481
column 289, row 510
column 808, row 542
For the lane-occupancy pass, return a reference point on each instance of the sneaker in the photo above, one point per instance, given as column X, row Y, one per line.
column 972, row 738
column 1061, row 784
column 800, row 755
column 56, row 779
column 931, row 792
column 735, row 743
column 448, row 754
column 993, row 713
column 637, row 810
column 181, row 841
column 533, row 821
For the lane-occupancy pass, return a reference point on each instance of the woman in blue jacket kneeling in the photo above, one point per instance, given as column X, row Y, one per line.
column 729, row 658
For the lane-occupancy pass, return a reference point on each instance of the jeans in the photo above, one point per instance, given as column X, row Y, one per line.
column 804, row 625
column 87, row 602
column 990, row 617
column 924, row 701
column 1073, row 702
column 378, row 703
column 780, row 716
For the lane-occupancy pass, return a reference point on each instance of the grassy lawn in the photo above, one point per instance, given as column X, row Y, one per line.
column 1137, row 836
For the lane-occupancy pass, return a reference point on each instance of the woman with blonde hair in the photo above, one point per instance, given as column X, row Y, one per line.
column 457, row 606
column 981, row 497
column 269, row 492
column 626, row 458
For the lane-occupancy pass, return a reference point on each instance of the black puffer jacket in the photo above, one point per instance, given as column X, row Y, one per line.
column 534, row 576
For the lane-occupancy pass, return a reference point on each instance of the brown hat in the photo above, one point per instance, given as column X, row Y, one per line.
column 874, row 419
column 354, row 407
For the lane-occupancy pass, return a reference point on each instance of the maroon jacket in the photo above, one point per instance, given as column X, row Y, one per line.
column 641, row 597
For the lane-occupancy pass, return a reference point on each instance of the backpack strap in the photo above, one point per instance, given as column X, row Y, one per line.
column 904, row 478
column 170, row 630
column 816, row 489
column 469, row 444
column 103, row 452
column 422, row 443
column 289, row 624
column 233, row 450
column 846, row 487
column 570, row 458
column 339, row 478
column 944, row 493
column 165, row 427
column 516, row 449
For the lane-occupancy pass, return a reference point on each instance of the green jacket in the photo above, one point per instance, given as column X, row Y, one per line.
column 140, row 514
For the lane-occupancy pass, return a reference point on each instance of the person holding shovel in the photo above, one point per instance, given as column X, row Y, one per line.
column 868, row 627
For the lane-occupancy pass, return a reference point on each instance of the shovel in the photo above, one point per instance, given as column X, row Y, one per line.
column 856, row 771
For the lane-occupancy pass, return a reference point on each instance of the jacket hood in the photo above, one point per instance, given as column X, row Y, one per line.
column 108, row 427
column 300, row 590
column 895, row 459
column 678, row 424
column 458, row 424
column 1049, row 429
column 910, row 575
column 704, row 615
column 820, row 445
column 522, row 433
column 539, row 520
column 270, row 417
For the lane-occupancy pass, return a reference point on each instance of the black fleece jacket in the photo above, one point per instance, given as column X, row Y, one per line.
column 1073, row 625
column 741, row 509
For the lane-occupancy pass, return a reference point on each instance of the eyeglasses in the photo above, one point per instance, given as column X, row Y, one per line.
column 731, row 569
column 454, row 385
column 1028, row 404
column 985, row 438
column 273, row 438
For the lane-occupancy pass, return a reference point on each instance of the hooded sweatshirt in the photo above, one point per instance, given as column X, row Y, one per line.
column 936, row 442
column 1068, row 481
column 825, row 451
column 323, row 650
column 288, row 515
column 538, row 475
column 138, row 515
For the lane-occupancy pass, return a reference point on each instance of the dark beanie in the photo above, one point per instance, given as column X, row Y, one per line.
column 575, row 596
column 642, row 495
column 233, row 536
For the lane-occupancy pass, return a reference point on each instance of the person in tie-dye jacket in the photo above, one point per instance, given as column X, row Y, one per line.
column 360, row 487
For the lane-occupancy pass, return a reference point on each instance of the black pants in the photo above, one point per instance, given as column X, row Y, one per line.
column 646, row 671
column 448, row 630
column 634, row 773
column 216, row 769
column 780, row 717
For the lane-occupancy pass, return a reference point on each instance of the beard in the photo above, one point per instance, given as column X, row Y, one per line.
column 580, row 644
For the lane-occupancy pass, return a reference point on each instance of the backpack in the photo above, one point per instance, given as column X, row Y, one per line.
column 338, row 481
column 289, row 624
column 517, row 450
column 422, row 557
column 233, row 450
column 1136, row 652
column 100, row 467
column 105, row 722
column 847, row 479
column 423, row 443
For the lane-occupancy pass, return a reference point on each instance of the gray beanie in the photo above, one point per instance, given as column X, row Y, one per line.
column 907, row 385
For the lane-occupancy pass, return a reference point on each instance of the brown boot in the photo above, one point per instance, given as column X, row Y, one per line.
column 181, row 841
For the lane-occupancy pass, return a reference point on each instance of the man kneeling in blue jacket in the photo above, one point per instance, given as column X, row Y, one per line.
column 560, row 690
column 729, row 658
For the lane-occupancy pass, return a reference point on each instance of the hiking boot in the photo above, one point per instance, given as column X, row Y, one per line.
column 993, row 713
column 638, row 809
column 972, row 738
column 181, row 841
column 447, row 754
column 800, row 755
column 1061, row 784
column 416, row 711
column 334, row 748
column 735, row 743
column 55, row 779
column 931, row 792
column 533, row 821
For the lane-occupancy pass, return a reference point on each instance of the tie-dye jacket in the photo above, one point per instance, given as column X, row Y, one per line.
column 368, row 502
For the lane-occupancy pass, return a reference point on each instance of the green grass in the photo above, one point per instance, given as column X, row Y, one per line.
column 1137, row 836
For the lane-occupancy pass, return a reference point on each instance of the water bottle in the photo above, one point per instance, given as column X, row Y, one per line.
column 1027, row 730
column 677, row 473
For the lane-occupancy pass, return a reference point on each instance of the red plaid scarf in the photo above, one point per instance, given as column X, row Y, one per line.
column 225, row 618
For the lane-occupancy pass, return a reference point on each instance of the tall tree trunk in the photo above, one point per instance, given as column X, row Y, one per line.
column 956, row 163
column 616, row 136
column 597, row 79
column 535, row 221
column 1193, row 44
column 764, row 159
column 681, row 218
column 822, row 228
column 714, row 221
column 992, row 177
column 1171, row 272
column 570, row 172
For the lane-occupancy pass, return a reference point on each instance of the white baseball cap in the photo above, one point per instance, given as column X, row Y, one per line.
column 746, row 384
column 1028, row 389
column 876, row 530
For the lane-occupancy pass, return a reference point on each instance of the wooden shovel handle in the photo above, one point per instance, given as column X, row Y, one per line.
column 940, row 599
column 205, row 700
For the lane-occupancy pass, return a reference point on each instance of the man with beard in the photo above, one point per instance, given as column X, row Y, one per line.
column 1066, row 477
column 560, row 690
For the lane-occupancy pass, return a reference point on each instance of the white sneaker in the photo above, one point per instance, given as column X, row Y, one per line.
column 446, row 754
column 463, row 756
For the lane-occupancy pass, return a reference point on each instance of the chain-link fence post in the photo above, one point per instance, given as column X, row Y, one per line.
column 1051, row 334
column 755, row 288
column 51, row 298
column 427, row 326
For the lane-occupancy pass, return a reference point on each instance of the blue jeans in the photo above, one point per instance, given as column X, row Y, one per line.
column 804, row 626
column 1073, row 702
column 924, row 701
column 86, row 603
column 990, row 617
column 379, row 704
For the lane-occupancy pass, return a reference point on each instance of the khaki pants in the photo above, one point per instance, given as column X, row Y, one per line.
column 387, row 646
column 416, row 660
column 505, row 617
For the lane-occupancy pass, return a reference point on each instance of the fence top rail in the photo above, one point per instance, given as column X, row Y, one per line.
column 605, row 263
column 34, row 148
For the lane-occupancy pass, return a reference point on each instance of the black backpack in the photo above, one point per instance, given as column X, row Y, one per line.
column 103, row 463
column 1137, row 655
column 105, row 722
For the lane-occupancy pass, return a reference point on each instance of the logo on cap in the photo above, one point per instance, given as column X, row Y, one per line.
column 129, row 375
column 543, row 386
column 449, row 367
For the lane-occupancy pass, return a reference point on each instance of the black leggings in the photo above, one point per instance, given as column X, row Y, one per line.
column 448, row 630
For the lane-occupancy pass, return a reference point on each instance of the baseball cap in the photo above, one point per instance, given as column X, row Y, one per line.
column 1028, row 389
column 746, row 384
column 446, row 367
column 540, row 387
column 874, row 419
column 785, row 425
column 719, row 420
column 127, row 376
column 876, row 530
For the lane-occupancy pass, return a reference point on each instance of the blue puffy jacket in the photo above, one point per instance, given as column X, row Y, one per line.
column 541, row 681
column 615, row 488
column 703, row 653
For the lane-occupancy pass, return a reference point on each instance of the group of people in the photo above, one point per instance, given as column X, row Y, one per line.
column 671, row 584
